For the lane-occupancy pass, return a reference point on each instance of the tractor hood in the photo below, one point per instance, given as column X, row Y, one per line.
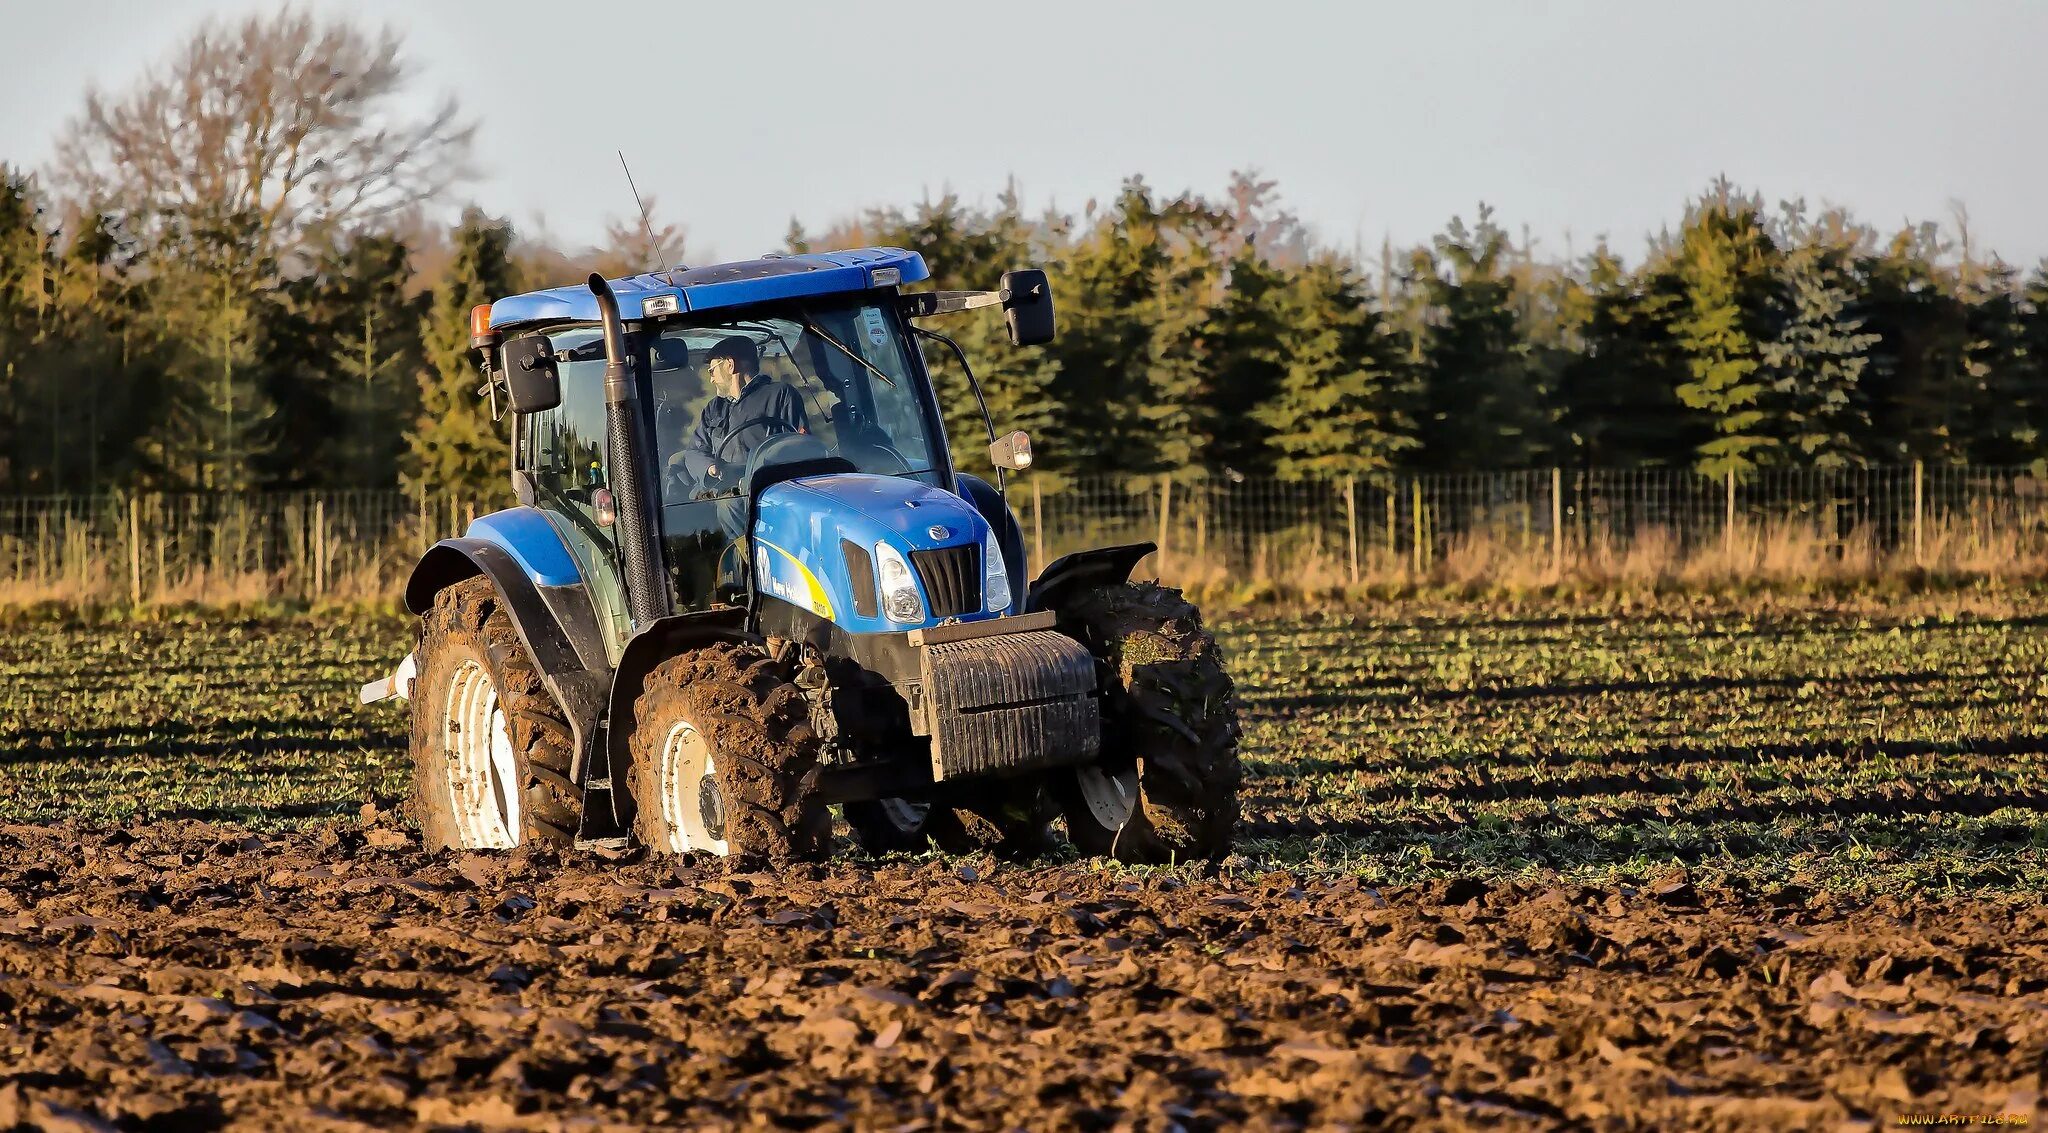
column 815, row 544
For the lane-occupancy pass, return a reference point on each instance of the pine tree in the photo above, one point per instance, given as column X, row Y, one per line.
column 79, row 380
column 1105, row 296
column 341, row 353
column 1178, row 415
column 1343, row 407
column 1483, row 406
column 455, row 446
column 796, row 240
column 1912, row 384
column 1249, row 333
column 1725, row 260
column 1618, row 393
column 2030, row 430
column 24, row 298
column 2000, row 386
column 1815, row 361
column 376, row 349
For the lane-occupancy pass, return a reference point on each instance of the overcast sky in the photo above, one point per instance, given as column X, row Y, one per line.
column 1576, row 119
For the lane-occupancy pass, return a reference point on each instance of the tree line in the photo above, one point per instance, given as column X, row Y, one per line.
column 227, row 280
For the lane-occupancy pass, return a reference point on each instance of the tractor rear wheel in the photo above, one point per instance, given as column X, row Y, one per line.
column 724, row 761
column 490, row 746
column 1166, row 786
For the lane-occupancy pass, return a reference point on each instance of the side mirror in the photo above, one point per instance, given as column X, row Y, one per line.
column 1027, row 306
column 1012, row 452
column 532, row 382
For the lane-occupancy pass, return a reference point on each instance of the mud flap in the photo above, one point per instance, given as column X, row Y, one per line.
column 1015, row 702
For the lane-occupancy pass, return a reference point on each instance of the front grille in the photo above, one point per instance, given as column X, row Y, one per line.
column 952, row 579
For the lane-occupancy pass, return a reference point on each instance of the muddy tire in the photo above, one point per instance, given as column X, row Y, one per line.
column 1165, row 789
column 490, row 747
column 724, row 761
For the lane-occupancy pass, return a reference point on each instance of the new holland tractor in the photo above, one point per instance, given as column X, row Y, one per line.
column 746, row 582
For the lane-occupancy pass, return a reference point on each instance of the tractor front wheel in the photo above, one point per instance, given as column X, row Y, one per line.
column 724, row 761
column 490, row 747
column 1166, row 786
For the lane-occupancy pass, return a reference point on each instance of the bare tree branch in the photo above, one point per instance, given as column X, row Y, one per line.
column 272, row 133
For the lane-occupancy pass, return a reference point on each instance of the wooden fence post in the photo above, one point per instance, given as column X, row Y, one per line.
column 1728, row 521
column 319, row 547
column 1393, row 524
column 1165, row 516
column 1420, row 555
column 1919, row 512
column 1557, row 522
column 1351, row 525
column 1038, row 522
column 161, row 519
column 134, row 551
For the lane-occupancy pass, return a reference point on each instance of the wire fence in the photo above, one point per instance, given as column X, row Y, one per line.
column 343, row 545
column 1370, row 527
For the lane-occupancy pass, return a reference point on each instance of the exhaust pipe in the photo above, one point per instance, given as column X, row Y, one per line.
column 647, row 595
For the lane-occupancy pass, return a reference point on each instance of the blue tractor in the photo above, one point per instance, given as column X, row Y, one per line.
column 745, row 582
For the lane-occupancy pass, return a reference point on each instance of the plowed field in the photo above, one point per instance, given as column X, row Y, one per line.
column 1678, row 867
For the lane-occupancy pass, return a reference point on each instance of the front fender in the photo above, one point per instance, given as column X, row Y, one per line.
column 1103, row 566
column 557, row 624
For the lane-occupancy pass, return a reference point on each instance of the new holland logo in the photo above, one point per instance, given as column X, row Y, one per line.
column 937, row 532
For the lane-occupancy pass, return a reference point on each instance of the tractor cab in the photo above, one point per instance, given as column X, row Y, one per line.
column 744, row 380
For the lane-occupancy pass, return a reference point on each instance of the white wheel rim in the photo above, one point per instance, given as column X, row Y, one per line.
column 903, row 814
column 483, row 773
column 1109, row 797
column 692, row 804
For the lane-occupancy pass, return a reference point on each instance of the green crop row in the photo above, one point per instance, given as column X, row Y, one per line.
column 1807, row 746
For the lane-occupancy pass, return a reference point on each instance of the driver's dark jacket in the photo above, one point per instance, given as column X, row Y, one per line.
column 761, row 397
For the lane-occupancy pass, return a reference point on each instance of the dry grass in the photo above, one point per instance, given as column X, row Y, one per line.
column 74, row 564
column 78, row 565
column 1771, row 555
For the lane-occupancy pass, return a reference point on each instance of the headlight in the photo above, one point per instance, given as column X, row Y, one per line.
column 899, row 591
column 995, row 574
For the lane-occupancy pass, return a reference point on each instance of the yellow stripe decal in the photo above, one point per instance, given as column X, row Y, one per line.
column 821, row 602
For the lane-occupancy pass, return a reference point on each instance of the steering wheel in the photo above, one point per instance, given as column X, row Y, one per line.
column 858, row 437
column 775, row 425
column 883, row 449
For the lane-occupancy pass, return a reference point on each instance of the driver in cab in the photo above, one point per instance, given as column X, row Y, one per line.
column 748, row 408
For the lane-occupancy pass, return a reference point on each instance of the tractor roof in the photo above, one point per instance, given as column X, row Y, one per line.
column 722, row 285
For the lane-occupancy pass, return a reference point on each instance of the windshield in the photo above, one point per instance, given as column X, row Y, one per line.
column 783, row 385
column 732, row 393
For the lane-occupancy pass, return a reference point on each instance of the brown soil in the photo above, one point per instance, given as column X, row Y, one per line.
column 192, row 976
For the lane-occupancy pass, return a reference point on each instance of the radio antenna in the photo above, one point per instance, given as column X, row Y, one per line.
column 653, row 245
